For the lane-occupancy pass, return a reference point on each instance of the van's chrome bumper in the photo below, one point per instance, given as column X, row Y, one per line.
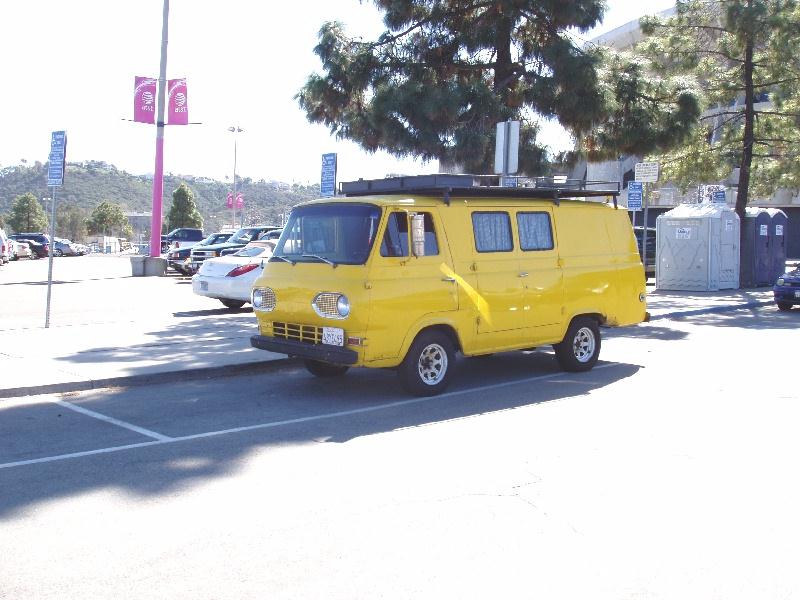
column 324, row 352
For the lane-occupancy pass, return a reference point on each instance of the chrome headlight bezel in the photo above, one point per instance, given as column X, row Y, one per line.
column 331, row 305
column 263, row 299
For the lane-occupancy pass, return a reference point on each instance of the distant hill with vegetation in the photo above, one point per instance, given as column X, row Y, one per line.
column 87, row 184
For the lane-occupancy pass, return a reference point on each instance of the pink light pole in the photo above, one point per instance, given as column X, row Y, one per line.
column 158, row 175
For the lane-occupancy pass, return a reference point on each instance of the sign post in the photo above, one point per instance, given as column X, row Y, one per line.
column 506, row 151
column 327, row 185
column 55, row 178
column 646, row 172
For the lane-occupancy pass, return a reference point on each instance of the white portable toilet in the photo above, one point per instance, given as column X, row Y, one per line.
column 697, row 246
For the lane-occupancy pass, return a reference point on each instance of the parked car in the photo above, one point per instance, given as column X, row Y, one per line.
column 63, row 247
column 238, row 240
column 787, row 290
column 180, row 237
column 5, row 248
column 20, row 249
column 229, row 278
column 179, row 259
column 650, row 267
column 39, row 242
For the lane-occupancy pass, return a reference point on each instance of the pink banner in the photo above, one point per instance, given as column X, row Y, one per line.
column 178, row 110
column 239, row 200
column 230, row 200
column 144, row 100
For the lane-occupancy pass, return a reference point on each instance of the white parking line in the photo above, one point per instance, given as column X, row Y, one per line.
column 163, row 440
column 113, row 421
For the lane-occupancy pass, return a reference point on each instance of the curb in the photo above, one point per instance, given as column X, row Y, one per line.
column 146, row 379
column 713, row 309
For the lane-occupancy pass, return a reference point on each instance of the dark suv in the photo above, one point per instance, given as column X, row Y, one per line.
column 179, row 258
column 41, row 242
column 239, row 240
column 180, row 235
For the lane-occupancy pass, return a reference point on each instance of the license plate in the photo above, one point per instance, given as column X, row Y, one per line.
column 204, row 286
column 333, row 336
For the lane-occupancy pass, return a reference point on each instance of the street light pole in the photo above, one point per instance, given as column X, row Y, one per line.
column 158, row 176
column 234, row 130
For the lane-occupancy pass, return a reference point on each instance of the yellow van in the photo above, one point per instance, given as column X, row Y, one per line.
column 405, row 272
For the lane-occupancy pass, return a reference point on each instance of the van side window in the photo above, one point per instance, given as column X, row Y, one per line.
column 492, row 232
column 535, row 232
column 395, row 239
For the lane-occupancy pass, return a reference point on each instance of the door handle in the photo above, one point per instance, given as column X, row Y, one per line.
column 523, row 274
column 449, row 279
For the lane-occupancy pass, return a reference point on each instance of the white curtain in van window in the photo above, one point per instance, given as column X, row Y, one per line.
column 492, row 232
column 534, row 231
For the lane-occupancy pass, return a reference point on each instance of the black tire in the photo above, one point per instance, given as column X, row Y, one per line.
column 232, row 304
column 428, row 365
column 323, row 369
column 580, row 348
column 58, row 253
column 784, row 306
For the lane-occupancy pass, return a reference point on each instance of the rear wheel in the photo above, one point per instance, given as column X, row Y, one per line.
column 580, row 348
column 426, row 369
column 323, row 369
column 784, row 306
column 232, row 304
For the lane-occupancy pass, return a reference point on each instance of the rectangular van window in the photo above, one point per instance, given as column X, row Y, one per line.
column 492, row 232
column 395, row 239
column 535, row 232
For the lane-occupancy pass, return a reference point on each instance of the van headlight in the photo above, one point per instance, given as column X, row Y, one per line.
column 263, row 299
column 331, row 305
column 780, row 281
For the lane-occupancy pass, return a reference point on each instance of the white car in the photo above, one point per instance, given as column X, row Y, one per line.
column 229, row 278
column 20, row 250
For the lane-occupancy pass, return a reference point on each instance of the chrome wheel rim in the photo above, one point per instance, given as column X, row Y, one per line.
column 432, row 364
column 583, row 345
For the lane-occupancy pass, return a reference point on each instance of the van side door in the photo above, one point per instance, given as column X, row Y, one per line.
column 540, row 271
column 500, row 287
column 407, row 289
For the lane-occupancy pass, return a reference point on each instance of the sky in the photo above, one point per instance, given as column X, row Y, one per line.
column 71, row 66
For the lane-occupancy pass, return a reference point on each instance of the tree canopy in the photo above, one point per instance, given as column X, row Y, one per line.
column 183, row 211
column 744, row 55
column 107, row 218
column 435, row 84
column 27, row 215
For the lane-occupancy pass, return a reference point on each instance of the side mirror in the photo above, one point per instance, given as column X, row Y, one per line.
column 418, row 234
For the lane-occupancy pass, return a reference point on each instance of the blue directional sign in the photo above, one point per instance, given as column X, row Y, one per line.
column 635, row 195
column 57, row 158
column 720, row 197
column 327, row 186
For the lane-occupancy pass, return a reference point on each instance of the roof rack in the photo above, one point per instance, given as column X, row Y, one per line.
column 542, row 188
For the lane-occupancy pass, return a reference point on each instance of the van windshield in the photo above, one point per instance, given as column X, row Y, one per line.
column 335, row 233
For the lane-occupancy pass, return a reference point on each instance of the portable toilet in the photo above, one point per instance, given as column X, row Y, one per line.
column 777, row 245
column 697, row 246
column 756, row 261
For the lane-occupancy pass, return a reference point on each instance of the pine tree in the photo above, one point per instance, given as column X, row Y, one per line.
column 183, row 212
column 743, row 52
column 434, row 85
column 27, row 215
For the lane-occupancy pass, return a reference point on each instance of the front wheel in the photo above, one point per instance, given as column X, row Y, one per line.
column 58, row 253
column 425, row 371
column 580, row 348
column 232, row 304
column 784, row 306
column 323, row 369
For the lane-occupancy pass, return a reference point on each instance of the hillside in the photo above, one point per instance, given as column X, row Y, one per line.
column 86, row 184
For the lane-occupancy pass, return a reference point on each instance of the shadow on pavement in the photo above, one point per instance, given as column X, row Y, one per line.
column 264, row 411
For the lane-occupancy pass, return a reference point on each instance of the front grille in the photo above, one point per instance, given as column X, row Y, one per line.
column 310, row 334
